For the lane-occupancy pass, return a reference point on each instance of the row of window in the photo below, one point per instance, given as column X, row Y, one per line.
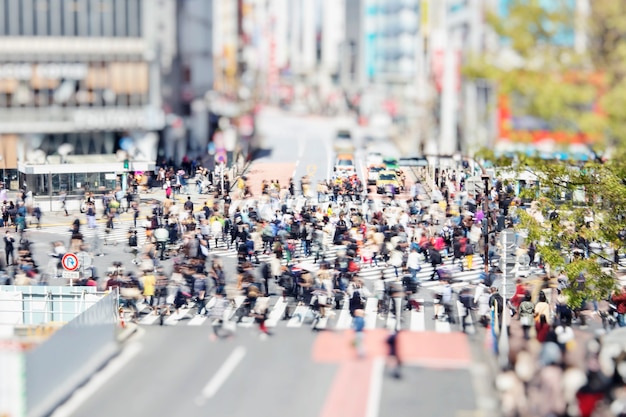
column 84, row 18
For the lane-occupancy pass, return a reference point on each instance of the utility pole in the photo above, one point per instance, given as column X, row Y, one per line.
column 508, row 251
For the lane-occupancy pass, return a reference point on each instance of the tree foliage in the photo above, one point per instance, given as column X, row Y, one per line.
column 548, row 78
column 578, row 210
column 556, row 81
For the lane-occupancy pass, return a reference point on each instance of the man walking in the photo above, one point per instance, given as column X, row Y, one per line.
column 9, row 248
column 62, row 198
column 413, row 264
column 392, row 343
column 435, row 260
column 188, row 206
column 37, row 215
column 200, row 292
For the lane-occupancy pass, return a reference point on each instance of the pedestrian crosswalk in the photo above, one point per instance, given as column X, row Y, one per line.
column 285, row 314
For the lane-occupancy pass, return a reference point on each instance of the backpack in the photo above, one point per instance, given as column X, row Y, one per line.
column 495, row 300
column 132, row 241
column 467, row 301
column 356, row 302
column 435, row 257
column 526, row 308
column 286, row 281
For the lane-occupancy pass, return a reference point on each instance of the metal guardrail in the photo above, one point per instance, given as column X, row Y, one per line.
column 70, row 356
column 40, row 305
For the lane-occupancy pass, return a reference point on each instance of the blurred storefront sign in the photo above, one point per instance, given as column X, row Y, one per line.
column 26, row 71
column 70, row 120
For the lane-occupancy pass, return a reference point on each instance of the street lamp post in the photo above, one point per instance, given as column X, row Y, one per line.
column 485, row 178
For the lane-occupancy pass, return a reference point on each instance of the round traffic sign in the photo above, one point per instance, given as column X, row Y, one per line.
column 69, row 262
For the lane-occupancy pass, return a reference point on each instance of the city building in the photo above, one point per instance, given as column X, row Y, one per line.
column 88, row 75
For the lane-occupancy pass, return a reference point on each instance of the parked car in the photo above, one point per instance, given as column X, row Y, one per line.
column 343, row 142
column 387, row 179
column 374, row 158
column 344, row 165
column 391, row 163
column 372, row 173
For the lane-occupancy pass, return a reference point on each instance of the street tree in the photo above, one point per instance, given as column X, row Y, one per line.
column 578, row 210
column 546, row 77
column 539, row 71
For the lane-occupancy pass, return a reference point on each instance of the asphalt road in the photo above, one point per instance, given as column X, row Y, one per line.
column 181, row 372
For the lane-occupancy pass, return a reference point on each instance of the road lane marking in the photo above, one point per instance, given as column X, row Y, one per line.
column 345, row 319
column 417, row 318
column 197, row 320
column 97, row 381
column 277, row 312
column 301, row 147
column 173, row 319
column 442, row 326
column 371, row 312
column 375, row 388
column 149, row 319
column 222, row 374
column 298, row 316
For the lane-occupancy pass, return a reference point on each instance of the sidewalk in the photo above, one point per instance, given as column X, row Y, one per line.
column 56, row 216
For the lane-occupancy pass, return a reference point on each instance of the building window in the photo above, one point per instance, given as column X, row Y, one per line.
column 4, row 13
column 121, row 21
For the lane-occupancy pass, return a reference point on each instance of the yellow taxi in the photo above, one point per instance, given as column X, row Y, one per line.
column 387, row 182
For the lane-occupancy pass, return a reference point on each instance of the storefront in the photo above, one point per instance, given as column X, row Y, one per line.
column 78, row 175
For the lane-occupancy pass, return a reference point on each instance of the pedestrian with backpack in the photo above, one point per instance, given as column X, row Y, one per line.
column 435, row 260
column 266, row 274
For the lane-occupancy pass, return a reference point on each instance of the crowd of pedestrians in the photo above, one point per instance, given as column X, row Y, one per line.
column 283, row 234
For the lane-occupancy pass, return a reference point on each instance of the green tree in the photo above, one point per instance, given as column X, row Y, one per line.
column 569, row 196
column 543, row 76
column 553, row 81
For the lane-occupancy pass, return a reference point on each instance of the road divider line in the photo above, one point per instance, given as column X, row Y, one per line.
column 375, row 388
column 222, row 374
column 277, row 312
column 97, row 381
column 417, row 318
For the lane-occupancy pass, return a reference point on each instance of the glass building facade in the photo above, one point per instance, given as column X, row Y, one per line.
column 391, row 38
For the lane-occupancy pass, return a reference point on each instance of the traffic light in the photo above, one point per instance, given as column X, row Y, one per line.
column 126, row 166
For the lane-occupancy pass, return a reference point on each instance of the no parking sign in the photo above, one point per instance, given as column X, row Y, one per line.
column 70, row 262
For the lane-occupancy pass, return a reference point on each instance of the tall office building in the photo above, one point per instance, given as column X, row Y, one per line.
column 382, row 41
column 86, row 73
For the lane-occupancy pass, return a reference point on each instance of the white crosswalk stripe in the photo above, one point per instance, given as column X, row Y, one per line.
column 277, row 313
column 371, row 308
column 345, row 320
column 417, row 323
